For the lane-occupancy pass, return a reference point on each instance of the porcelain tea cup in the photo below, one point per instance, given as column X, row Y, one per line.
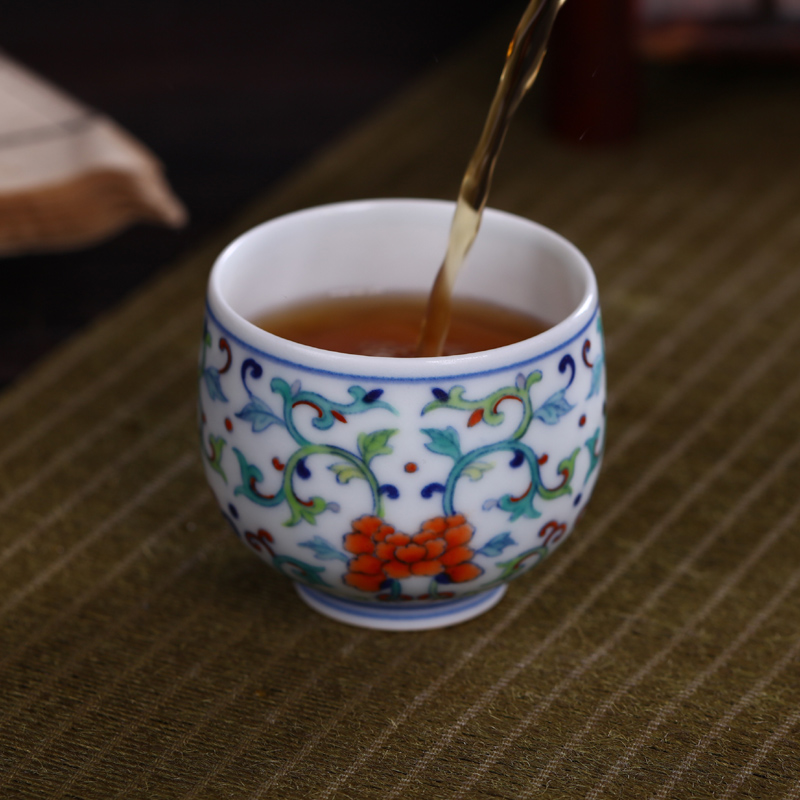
column 401, row 494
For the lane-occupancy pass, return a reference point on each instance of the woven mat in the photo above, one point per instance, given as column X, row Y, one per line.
column 145, row 654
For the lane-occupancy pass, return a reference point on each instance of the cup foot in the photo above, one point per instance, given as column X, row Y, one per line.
column 400, row 617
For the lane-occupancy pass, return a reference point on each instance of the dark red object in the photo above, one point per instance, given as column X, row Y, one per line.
column 592, row 69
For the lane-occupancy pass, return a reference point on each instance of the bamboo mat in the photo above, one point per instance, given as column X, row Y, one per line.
column 145, row 654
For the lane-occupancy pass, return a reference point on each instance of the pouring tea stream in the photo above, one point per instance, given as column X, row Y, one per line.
column 523, row 60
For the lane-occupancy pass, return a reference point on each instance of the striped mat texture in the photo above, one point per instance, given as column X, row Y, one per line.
column 144, row 653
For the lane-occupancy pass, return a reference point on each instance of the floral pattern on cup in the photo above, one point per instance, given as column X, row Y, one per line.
column 383, row 556
column 376, row 558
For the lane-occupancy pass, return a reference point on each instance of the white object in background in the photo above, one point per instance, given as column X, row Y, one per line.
column 69, row 176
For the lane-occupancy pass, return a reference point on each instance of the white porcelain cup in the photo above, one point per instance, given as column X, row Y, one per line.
column 401, row 494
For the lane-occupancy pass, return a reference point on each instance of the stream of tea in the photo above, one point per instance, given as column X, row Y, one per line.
column 523, row 60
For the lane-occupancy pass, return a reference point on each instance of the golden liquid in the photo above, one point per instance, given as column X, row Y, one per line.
column 524, row 57
column 388, row 324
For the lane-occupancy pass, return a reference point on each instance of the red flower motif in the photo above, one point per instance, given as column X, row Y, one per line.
column 380, row 552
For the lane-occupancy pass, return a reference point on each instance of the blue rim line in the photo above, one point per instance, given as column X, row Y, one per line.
column 361, row 609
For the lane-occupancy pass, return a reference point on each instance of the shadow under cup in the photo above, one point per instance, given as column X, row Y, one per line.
column 401, row 494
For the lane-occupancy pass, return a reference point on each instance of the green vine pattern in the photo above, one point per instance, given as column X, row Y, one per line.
column 474, row 464
column 378, row 558
column 348, row 465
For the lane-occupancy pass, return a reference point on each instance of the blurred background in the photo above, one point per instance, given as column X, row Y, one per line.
column 232, row 96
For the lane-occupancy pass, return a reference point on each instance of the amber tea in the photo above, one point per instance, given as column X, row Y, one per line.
column 389, row 324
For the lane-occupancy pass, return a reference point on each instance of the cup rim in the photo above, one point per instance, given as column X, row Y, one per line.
column 312, row 359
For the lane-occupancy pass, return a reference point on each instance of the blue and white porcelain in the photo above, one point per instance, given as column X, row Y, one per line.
column 401, row 494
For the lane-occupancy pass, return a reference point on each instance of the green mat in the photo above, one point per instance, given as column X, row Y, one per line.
column 144, row 653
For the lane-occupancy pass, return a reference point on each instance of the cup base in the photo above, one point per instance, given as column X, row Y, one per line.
column 390, row 617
